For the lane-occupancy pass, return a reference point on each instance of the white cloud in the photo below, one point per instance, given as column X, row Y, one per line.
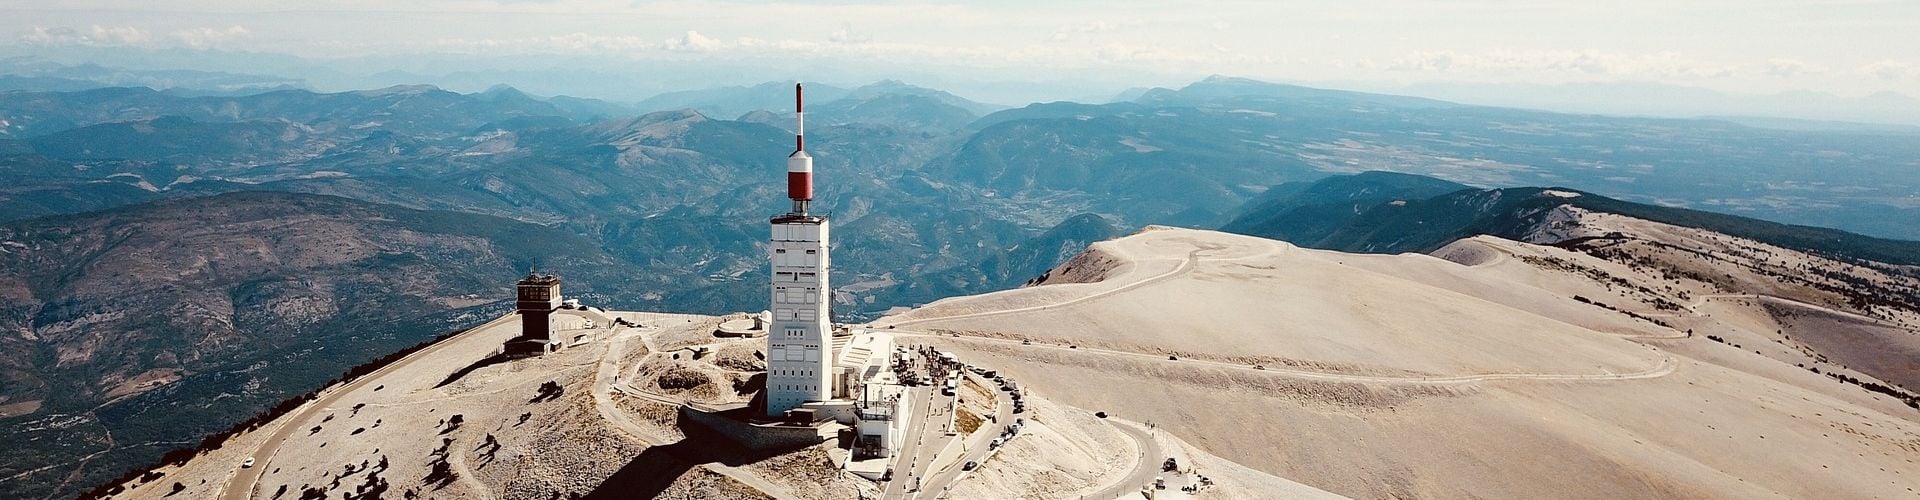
column 1077, row 31
column 846, row 34
column 202, row 38
column 854, row 46
column 1065, row 33
column 119, row 35
column 1891, row 70
column 1566, row 62
column 693, row 41
column 1788, row 68
column 97, row 36
column 130, row 36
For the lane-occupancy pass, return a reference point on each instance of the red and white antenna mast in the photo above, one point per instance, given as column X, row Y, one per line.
column 800, row 164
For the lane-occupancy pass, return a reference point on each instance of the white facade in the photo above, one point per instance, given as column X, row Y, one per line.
column 882, row 424
column 861, row 359
column 799, row 343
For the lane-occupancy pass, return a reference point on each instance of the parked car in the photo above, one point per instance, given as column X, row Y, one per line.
column 970, row 465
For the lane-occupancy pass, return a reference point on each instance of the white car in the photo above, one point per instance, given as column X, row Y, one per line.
column 247, row 464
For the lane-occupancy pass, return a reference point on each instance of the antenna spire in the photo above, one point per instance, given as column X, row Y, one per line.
column 800, row 116
column 800, row 164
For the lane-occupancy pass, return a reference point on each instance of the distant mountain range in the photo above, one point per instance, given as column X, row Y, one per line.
column 34, row 74
column 886, row 103
column 1383, row 212
column 1652, row 99
column 776, row 97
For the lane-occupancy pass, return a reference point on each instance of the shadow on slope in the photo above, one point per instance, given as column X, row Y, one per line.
column 482, row 363
column 655, row 469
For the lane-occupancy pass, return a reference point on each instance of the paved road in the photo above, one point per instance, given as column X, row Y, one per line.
column 976, row 449
column 925, row 435
column 1666, row 367
column 1193, row 259
column 242, row 487
column 1701, row 300
column 1146, row 466
column 1186, row 266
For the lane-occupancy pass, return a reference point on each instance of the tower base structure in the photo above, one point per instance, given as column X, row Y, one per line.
column 799, row 339
column 520, row 347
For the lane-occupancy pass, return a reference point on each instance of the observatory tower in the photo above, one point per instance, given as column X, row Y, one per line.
column 799, row 343
column 538, row 296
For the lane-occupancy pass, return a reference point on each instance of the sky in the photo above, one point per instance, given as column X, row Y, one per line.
column 1842, row 47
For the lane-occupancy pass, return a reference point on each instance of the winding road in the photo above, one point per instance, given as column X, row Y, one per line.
column 974, row 446
column 1701, row 300
column 1148, row 458
column 1667, row 366
column 1667, row 363
column 926, row 431
column 1186, row 266
column 1149, row 454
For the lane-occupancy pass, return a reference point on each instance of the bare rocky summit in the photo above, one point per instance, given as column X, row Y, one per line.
column 1490, row 368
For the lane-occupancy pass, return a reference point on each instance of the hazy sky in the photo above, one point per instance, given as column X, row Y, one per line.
column 1842, row 47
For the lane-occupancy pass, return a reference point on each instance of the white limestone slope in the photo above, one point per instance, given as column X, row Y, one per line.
column 1220, row 296
column 1416, row 376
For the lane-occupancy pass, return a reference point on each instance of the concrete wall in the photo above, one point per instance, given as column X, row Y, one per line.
column 760, row 437
column 841, row 411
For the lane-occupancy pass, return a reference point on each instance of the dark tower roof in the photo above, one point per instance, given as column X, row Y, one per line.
column 536, row 279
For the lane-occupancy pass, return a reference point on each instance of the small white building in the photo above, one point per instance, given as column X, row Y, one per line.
column 881, row 421
column 863, row 374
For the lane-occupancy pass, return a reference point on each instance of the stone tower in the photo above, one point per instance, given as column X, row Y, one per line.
column 538, row 296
